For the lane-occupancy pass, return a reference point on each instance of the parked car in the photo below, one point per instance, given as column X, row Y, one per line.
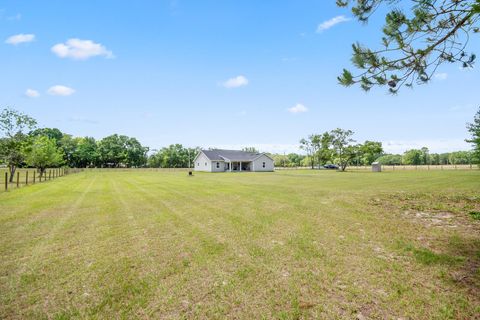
column 331, row 166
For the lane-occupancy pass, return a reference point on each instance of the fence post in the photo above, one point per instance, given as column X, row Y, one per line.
column 49, row 174
column 18, row 178
column 34, row 174
column 6, row 181
column 26, row 179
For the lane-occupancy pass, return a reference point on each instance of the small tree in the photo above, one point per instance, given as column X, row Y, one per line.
column 474, row 129
column 43, row 153
column 12, row 126
column 343, row 150
column 309, row 148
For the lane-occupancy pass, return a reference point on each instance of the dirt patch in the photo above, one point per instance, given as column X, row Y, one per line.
column 433, row 210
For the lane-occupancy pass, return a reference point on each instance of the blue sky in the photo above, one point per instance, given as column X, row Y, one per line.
column 215, row 74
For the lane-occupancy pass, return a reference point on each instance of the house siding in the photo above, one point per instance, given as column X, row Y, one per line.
column 202, row 163
column 221, row 166
column 257, row 164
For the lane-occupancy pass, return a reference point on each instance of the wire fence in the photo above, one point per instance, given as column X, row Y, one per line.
column 24, row 177
column 398, row 167
column 138, row 169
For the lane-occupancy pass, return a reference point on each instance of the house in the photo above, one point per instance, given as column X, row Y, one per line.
column 232, row 160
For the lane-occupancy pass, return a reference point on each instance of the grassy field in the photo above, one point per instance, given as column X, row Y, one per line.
column 284, row 245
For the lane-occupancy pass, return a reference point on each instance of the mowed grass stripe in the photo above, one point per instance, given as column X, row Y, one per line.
column 281, row 245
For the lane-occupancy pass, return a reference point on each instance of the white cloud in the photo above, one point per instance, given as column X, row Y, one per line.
column 20, row 38
column 78, row 49
column 32, row 93
column 59, row 90
column 236, row 82
column 441, row 76
column 16, row 17
column 298, row 108
column 330, row 23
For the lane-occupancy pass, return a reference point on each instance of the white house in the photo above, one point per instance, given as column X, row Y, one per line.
column 232, row 160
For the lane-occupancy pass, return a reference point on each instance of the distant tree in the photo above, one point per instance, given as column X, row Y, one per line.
column 86, row 153
column 425, row 155
column 295, row 159
column 413, row 157
column 434, row 159
column 250, row 149
column 112, row 151
column 68, row 145
column 14, row 140
column 343, row 150
column 324, row 153
column 52, row 133
column 390, row 159
column 369, row 151
column 461, row 157
column 136, row 153
column 306, row 162
column 308, row 146
column 414, row 44
column 43, row 153
column 474, row 130
column 173, row 156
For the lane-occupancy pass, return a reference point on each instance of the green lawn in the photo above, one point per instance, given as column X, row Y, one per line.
column 284, row 245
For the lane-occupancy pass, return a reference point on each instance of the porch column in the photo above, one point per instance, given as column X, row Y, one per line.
column 240, row 165
column 230, row 166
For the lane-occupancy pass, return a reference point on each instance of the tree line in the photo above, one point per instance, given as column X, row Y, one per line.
column 23, row 144
column 338, row 147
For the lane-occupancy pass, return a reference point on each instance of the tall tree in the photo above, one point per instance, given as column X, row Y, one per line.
column 307, row 145
column 43, row 153
column 418, row 36
column 112, row 150
column 136, row 154
column 86, row 153
column 13, row 125
column 342, row 146
column 68, row 145
column 324, row 153
column 474, row 129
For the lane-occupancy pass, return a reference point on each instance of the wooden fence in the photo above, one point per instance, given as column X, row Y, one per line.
column 25, row 177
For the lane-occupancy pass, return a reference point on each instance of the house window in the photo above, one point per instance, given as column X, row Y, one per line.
column 263, row 165
column 218, row 165
column 198, row 164
column 205, row 164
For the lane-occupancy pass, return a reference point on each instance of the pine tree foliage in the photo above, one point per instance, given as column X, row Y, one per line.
column 415, row 42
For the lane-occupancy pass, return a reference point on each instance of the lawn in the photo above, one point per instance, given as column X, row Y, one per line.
column 283, row 245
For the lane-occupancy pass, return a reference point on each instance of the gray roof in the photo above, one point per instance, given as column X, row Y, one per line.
column 231, row 155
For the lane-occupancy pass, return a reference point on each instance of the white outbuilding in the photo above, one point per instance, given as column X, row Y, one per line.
column 218, row 160
column 376, row 167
